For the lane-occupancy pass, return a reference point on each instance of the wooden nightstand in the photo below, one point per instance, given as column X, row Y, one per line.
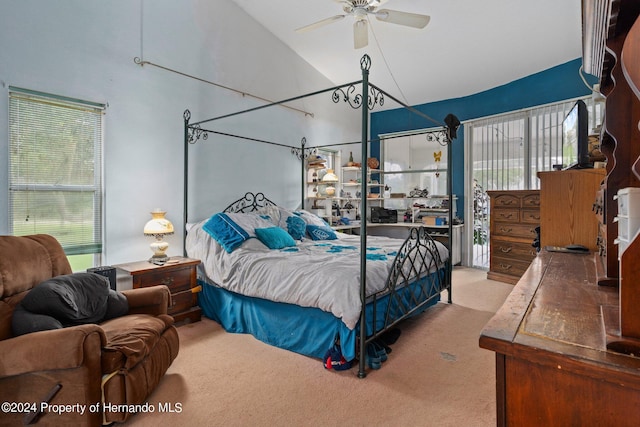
column 179, row 274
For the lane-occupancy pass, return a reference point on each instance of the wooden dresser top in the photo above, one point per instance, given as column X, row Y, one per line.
column 555, row 314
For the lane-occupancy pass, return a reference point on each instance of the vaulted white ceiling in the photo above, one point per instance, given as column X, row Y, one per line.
column 469, row 45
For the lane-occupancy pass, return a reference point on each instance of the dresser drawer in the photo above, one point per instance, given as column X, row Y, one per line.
column 506, row 215
column 177, row 279
column 506, row 201
column 526, row 231
column 530, row 216
column 515, row 250
column 508, row 266
column 531, row 201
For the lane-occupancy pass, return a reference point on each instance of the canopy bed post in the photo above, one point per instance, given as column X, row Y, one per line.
column 365, row 64
column 302, row 154
column 186, row 116
column 303, row 187
column 452, row 123
column 450, row 219
column 192, row 133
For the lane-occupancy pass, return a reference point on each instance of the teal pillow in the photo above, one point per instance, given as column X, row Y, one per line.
column 275, row 237
column 296, row 227
column 321, row 232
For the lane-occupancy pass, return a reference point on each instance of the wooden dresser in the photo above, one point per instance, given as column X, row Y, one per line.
column 553, row 367
column 514, row 216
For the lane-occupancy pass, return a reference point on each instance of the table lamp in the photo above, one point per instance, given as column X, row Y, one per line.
column 158, row 227
column 330, row 178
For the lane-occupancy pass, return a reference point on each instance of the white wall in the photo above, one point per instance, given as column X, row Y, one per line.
column 85, row 49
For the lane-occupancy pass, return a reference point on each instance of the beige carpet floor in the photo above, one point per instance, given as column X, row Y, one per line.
column 436, row 375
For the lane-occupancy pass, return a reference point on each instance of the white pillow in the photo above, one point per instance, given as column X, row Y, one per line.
column 286, row 219
column 311, row 219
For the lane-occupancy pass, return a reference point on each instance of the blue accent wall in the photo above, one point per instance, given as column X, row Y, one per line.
column 552, row 85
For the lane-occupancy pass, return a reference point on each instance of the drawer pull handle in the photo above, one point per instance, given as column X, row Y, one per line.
column 505, row 250
column 506, row 230
column 167, row 281
column 505, row 266
column 509, row 215
column 506, row 202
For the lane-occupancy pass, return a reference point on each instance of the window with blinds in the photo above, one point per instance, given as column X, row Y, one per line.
column 55, row 169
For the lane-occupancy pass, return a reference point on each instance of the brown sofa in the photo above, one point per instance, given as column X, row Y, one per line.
column 113, row 365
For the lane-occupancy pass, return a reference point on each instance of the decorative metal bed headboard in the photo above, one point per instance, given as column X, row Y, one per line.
column 249, row 203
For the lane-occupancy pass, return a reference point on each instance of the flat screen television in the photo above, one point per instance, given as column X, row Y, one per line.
column 575, row 137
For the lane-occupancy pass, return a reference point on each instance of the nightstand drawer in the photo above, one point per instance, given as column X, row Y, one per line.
column 177, row 280
column 182, row 301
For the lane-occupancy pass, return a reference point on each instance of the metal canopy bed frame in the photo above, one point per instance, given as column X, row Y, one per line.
column 416, row 248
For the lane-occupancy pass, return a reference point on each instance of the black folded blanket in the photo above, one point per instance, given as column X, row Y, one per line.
column 68, row 300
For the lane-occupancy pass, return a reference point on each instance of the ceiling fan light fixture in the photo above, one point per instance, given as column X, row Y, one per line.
column 360, row 34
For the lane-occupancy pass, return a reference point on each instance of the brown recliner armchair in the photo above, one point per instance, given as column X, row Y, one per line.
column 100, row 370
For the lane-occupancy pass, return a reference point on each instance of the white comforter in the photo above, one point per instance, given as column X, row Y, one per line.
column 323, row 274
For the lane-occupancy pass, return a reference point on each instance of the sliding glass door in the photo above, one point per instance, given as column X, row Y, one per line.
column 505, row 152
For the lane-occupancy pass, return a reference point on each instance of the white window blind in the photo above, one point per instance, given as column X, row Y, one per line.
column 55, row 169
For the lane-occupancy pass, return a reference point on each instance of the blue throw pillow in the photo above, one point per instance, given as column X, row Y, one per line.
column 275, row 237
column 226, row 232
column 321, row 232
column 296, row 227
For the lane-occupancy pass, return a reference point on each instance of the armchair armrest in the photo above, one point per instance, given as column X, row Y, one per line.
column 65, row 348
column 152, row 300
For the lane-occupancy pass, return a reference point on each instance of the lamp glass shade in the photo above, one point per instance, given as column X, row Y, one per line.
column 158, row 227
column 330, row 176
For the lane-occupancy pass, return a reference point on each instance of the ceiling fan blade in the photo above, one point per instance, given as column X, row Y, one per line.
column 320, row 23
column 360, row 34
column 403, row 18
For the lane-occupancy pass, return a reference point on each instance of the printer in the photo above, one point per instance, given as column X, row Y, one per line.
column 382, row 215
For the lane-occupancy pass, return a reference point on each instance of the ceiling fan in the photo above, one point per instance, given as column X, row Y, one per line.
column 360, row 9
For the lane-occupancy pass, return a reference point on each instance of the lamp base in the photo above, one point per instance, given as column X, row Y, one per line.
column 159, row 260
column 159, row 249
